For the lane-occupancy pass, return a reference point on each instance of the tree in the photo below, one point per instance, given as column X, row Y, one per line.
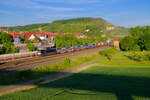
column 31, row 47
column 70, row 40
column 139, row 31
column 136, row 31
column 33, row 30
column 129, row 43
column 6, row 41
column 1, row 51
column 144, row 41
column 141, row 38
column 4, row 37
column 9, row 48
column 22, row 38
column 93, row 30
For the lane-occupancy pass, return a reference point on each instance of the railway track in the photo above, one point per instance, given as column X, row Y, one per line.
column 37, row 61
column 43, row 60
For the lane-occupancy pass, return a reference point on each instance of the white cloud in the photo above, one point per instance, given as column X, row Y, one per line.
column 56, row 8
column 71, row 1
column 34, row 4
column 48, row 16
column 80, row 1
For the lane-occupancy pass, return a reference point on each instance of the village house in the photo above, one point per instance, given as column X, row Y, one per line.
column 80, row 35
column 32, row 37
column 48, row 36
column 39, row 35
column 116, row 44
column 16, row 37
column 5, row 31
column 17, row 40
column 27, row 35
column 110, row 28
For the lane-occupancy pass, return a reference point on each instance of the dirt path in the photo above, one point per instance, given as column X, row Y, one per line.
column 46, row 79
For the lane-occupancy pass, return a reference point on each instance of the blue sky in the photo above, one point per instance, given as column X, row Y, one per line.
column 127, row 13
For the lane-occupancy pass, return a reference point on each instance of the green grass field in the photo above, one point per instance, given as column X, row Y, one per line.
column 117, row 79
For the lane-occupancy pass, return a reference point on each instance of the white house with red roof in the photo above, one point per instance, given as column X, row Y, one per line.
column 80, row 35
column 27, row 35
column 16, row 37
column 32, row 37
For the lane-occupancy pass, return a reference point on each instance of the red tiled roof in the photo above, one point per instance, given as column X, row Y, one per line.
column 27, row 35
column 38, row 34
column 45, row 33
column 14, row 34
column 48, row 33
column 79, row 34
column 11, row 33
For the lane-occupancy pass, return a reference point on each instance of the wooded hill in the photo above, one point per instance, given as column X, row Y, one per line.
column 89, row 26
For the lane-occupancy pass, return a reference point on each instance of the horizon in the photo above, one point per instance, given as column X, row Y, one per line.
column 118, row 12
column 59, row 20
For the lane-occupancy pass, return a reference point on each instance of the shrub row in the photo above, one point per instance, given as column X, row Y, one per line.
column 139, row 56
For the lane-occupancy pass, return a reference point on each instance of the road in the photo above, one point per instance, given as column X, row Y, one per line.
column 43, row 60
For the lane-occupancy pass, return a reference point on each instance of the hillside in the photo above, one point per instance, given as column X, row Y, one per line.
column 25, row 28
column 89, row 26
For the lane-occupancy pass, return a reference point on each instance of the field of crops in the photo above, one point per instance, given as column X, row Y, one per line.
column 118, row 78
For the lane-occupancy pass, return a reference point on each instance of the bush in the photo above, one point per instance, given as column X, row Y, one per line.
column 136, row 48
column 139, row 56
column 67, row 62
column 109, row 51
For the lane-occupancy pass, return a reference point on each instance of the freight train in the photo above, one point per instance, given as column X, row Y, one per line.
column 48, row 51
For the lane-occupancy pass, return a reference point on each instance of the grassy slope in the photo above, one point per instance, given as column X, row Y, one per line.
column 118, row 79
column 79, row 25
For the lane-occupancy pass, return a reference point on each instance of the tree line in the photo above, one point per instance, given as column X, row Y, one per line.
column 138, row 40
column 70, row 40
column 6, row 41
